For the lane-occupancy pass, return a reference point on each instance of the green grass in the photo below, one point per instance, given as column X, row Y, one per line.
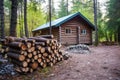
column 45, row 70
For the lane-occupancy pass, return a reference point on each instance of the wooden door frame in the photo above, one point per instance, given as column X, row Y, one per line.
column 78, row 34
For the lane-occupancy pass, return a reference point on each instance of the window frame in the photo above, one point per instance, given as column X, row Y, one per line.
column 83, row 31
column 69, row 30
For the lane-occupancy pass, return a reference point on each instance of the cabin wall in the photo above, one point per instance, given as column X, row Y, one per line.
column 55, row 32
column 68, row 38
column 75, row 37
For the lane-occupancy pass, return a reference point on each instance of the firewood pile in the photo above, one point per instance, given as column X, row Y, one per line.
column 28, row 54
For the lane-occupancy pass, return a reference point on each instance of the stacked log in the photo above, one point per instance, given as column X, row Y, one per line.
column 30, row 53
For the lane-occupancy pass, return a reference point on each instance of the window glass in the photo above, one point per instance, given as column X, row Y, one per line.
column 68, row 31
column 83, row 31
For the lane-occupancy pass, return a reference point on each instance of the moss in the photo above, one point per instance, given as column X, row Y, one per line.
column 45, row 70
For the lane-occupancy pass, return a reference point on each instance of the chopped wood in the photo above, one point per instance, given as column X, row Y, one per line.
column 28, row 44
column 16, row 51
column 23, row 47
column 21, row 64
column 42, row 50
column 31, row 40
column 15, row 44
column 42, row 40
column 34, row 65
column 47, row 36
column 28, row 60
column 34, row 52
column 40, row 43
column 39, row 60
column 35, row 57
column 16, row 56
column 30, row 53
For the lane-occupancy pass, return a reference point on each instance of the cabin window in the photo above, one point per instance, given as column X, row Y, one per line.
column 67, row 30
column 83, row 31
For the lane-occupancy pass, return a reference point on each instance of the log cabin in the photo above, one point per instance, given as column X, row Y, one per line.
column 72, row 29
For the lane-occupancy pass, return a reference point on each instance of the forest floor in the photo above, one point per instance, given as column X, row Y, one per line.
column 103, row 63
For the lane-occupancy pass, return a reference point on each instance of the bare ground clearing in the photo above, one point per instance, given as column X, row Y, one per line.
column 103, row 63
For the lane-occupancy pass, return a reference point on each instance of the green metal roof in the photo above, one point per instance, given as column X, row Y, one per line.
column 60, row 21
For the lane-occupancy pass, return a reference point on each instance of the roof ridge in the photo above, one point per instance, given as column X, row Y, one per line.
column 62, row 20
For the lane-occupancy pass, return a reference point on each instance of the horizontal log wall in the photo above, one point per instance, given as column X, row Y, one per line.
column 72, row 38
column 69, row 38
column 55, row 32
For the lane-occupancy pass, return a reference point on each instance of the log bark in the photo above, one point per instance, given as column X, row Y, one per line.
column 31, row 40
column 16, row 56
column 16, row 51
column 47, row 49
column 41, row 40
column 22, row 64
column 27, row 53
column 40, row 43
column 3, row 41
column 28, row 44
column 47, row 36
column 15, row 44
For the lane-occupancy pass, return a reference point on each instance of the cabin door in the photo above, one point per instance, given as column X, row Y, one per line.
column 78, row 35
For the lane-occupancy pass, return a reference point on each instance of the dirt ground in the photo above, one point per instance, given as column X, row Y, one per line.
column 103, row 63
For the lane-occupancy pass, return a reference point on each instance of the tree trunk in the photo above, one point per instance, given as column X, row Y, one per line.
column 2, row 18
column 106, row 36
column 110, row 37
column 95, row 21
column 119, row 34
column 50, row 17
column 67, row 7
column 25, row 18
column 115, row 37
column 13, row 22
column 22, row 25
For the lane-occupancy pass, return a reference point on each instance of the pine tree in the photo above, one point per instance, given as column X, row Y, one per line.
column 62, row 9
column 2, row 34
column 25, row 18
column 114, row 18
column 95, row 21
column 13, row 21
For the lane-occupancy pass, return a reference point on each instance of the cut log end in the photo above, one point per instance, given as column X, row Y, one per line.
column 34, row 65
column 22, row 58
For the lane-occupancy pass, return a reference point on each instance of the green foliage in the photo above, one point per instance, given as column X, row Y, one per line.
column 35, row 17
column 85, row 7
column 114, row 17
column 108, row 26
column 62, row 8
column 101, row 24
column 54, row 16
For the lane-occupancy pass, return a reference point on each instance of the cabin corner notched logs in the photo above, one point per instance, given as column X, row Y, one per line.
column 30, row 53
